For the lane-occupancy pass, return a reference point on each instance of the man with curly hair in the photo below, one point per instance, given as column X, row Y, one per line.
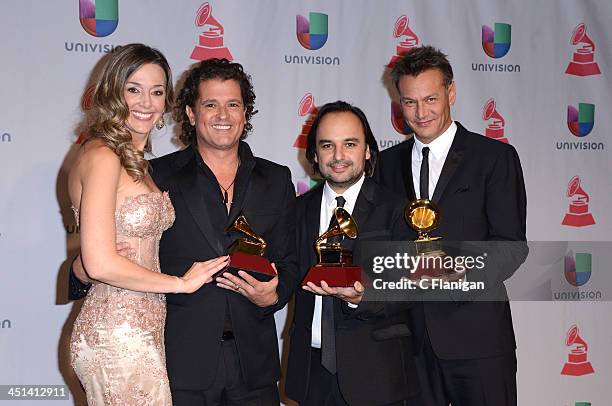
column 221, row 341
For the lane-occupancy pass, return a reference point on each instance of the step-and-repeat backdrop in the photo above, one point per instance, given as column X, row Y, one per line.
column 530, row 73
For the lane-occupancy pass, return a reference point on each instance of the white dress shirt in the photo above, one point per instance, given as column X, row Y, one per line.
column 438, row 150
column 328, row 204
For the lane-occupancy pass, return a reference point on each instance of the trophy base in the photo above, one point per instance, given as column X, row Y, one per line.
column 335, row 275
column 431, row 265
column 582, row 69
column 583, row 368
column 578, row 220
column 201, row 53
column 335, row 256
column 258, row 267
column 431, row 261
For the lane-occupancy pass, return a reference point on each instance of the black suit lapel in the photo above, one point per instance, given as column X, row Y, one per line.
column 406, row 164
column 452, row 162
column 245, row 178
column 363, row 207
column 193, row 195
column 313, row 219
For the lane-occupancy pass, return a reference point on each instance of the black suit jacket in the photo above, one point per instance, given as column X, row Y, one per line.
column 481, row 194
column 373, row 344
column 195, row 322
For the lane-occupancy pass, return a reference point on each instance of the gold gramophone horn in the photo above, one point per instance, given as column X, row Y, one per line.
column 422, row 216
column 344, row 225
column 241, row 225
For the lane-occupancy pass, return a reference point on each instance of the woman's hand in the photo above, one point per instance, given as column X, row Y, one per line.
column 200, row 273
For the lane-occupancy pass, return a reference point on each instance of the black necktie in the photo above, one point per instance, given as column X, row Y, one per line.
column 328, row 333
column 424, row 176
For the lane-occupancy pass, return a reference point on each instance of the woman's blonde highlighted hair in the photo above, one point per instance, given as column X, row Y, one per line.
column 110, row 111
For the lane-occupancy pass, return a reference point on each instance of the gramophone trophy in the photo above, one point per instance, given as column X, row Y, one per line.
column 247, row 253
column 583, row 61
column 578, row 214
column 334, row 263
column 423, row 216
column 495, row 129
column 577, row 363
column 211, row 39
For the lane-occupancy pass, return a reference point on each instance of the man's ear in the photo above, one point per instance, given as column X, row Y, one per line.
column 452, row 93
column 190, row 114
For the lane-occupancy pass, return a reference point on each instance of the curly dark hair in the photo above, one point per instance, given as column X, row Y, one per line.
column 420, row 59
column 189, row 93
column 342, row 107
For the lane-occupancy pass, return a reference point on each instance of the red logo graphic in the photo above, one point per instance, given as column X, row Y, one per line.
column 86, row 106
column 496, row 123
column 307, row 109
column 408, row 40
column 583, row 61
column 577, row 363
column 211, row 39
column 578, row 214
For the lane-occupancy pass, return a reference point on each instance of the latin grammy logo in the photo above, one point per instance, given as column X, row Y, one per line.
column 496, row 123
column 583, row 61
column 578, row 214
column 211, row 39
column 308, row 109
column 408, row 39
column 577, row 363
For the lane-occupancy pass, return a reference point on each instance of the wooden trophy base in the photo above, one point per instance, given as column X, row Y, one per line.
column 335, row 275
column 258, row 267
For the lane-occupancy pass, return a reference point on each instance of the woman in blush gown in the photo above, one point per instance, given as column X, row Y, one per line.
column 117, row 347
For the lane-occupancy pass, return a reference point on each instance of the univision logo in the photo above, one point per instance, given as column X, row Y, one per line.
column 99, row 18
column 577, row 271
column 580, row 121
column 578, row 268
column 312, row 34
column 496, row 43
column 6, row 137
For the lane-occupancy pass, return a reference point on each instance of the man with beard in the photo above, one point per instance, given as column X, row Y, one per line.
column 345, row 351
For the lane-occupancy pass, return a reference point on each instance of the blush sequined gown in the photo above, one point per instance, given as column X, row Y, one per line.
column 117, row 343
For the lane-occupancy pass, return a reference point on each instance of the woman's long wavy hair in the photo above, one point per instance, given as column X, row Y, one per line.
column 110, row 111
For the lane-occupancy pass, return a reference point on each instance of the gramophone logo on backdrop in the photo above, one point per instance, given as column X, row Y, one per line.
column 583, row 61
column 210, row 43
column 577, row 360
column 495, row 122
column 496, row 42
column 580, row 121
column 407, row 40
column 312, row 33
column 578, row 268
column 86, row 106
column 578, row 214
column 99, row 17
column 308, row 110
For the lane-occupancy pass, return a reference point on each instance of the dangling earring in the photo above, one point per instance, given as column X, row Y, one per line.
column 160, row 123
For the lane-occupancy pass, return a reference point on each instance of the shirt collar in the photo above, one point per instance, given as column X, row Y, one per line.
column 350, row 194
column 440, row 146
